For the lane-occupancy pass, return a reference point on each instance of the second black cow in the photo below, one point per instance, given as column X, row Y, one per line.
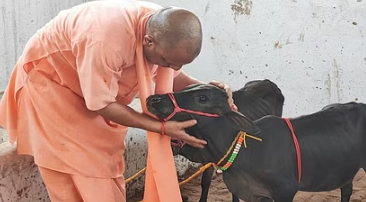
column 331, row 142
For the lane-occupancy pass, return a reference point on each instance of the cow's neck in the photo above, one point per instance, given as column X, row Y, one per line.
column 219, row 138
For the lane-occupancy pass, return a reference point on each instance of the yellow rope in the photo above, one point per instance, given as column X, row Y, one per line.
column 135, row 175
column 245, row 135
column 205, row 167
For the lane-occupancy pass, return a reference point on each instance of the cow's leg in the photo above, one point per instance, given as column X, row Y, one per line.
column 346, row 192
column 235, row 199
column 205, row 183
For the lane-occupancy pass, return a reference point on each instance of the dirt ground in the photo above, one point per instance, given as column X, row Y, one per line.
column 219, row 193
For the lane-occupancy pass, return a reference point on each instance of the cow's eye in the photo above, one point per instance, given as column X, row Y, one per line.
column 203, row 98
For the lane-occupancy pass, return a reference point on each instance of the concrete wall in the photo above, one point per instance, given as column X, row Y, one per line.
column 19, row 21
column 314, row 50
column 20, row 180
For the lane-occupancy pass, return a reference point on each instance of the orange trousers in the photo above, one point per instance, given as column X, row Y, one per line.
column 63, row 187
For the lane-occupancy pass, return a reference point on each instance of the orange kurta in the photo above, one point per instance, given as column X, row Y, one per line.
column 81, row 61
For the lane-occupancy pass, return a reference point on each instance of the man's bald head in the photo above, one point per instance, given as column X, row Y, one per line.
column 176, row 28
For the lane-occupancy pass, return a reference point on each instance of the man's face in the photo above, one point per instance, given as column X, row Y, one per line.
column 163, row 56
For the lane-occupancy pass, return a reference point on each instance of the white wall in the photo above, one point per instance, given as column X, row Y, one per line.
column 19, row 21
column 314, row 50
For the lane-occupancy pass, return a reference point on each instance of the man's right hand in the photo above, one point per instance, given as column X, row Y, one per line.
column 176, row 131
column 125, row 115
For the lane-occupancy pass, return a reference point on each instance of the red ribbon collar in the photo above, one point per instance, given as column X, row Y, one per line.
column 297, row 147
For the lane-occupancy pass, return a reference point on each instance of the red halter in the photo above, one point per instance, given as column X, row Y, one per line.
column 177, row 109
column 297, row 147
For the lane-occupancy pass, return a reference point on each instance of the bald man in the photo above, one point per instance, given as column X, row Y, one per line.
column 66, row 102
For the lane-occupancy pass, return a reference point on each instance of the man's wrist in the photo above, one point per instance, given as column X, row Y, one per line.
column 152, row 124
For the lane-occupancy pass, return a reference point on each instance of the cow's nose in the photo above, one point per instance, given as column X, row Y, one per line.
column 156, row 100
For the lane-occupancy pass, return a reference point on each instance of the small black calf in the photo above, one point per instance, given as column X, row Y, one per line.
column 332, row 142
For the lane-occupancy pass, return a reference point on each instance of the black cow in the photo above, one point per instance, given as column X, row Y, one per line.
column 256, row 99
column 332, row 143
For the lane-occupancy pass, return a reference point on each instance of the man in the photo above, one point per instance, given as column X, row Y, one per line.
column 66, row 102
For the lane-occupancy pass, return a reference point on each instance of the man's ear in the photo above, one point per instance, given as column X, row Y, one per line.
column 242, row 123
column 148, row 40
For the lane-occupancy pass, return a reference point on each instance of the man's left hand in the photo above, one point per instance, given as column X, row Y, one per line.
column 228, row 91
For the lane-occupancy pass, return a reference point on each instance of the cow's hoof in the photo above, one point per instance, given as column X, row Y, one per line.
column 185, row 198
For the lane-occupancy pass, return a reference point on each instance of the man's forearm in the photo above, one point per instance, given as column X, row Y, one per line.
column 125, row 115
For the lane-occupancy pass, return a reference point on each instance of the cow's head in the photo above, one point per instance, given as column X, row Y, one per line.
column 259, row 98
column 198, row 99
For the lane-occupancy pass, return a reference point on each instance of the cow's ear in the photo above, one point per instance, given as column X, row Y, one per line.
column 242, row 123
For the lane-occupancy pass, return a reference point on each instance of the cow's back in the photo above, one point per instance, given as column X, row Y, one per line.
column 333, row 145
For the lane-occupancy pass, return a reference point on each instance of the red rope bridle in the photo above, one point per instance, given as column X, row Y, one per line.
column 178, row 109
column 297, row 147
